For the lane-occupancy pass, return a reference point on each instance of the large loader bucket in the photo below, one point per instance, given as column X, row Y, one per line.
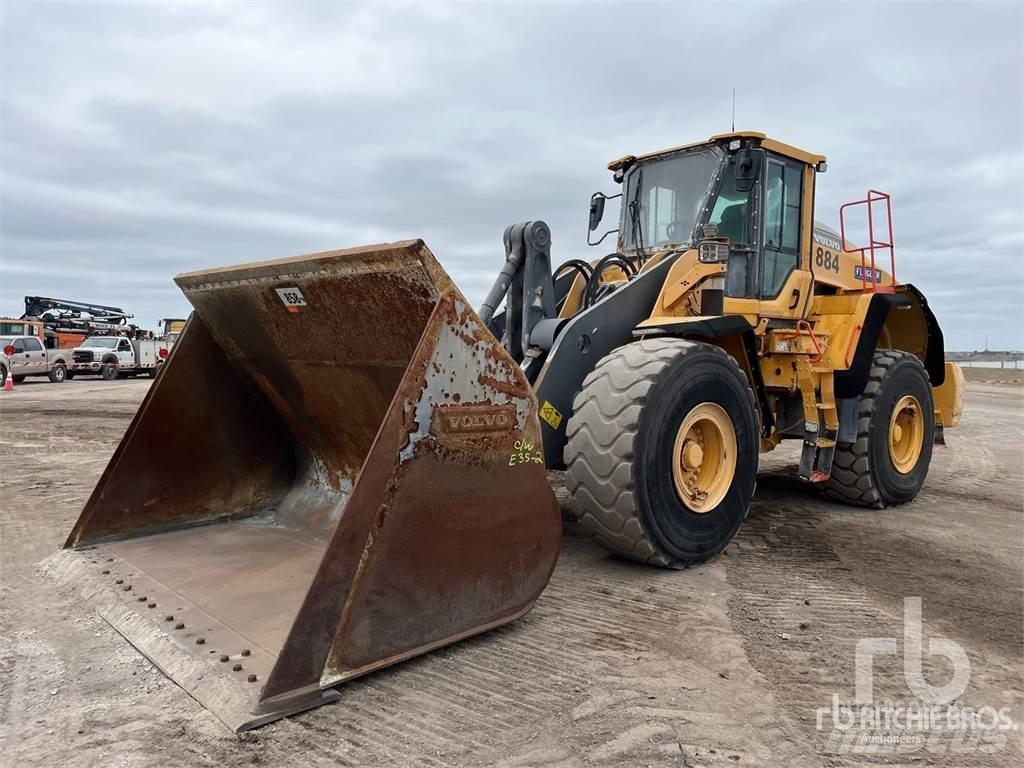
column 338, row 469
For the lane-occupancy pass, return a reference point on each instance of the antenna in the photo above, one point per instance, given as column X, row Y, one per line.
column 734, row 110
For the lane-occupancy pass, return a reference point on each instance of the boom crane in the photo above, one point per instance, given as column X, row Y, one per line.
column 63, row 319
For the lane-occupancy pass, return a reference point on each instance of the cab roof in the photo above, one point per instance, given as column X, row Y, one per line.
column 770, row 144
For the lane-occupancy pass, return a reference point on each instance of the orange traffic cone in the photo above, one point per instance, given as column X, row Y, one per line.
column 9, row 383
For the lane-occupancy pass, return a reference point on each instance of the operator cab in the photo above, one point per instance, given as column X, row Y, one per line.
column 739, row 198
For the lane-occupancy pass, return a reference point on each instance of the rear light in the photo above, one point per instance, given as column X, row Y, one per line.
column 9, row 350
column 162, row 353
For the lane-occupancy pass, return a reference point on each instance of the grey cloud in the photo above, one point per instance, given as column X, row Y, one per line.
column 141, row 140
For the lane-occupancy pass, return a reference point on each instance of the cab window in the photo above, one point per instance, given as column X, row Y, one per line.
column 33, row 345
column 662, row 206
column 782, row 196
column 665, row 196
column 731, row 210
column 123, row 346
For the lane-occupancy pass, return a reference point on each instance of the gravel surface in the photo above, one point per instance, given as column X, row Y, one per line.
column 618, row 664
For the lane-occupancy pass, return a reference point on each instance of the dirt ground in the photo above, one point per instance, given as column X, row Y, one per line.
column 618, row 664
column 994, row 375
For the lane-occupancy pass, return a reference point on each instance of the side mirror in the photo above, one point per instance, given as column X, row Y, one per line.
column 597, row 201
column 748, row 168
column 596, row 210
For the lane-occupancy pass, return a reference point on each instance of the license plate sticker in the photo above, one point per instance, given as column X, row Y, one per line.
column 867, row 274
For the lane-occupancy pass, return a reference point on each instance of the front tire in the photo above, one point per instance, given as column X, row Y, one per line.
column 109, row 371
column 888, row 463
column 662, row 451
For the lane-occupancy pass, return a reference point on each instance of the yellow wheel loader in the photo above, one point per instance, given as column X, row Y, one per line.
column 343, row 465
column 725, row 322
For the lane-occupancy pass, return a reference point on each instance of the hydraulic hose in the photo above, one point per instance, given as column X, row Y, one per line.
column 594, row 284
column 500, row 287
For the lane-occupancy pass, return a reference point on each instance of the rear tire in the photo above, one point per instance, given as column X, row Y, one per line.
column 874, row 472
column 58, row 373
column 626, row 446
column 3, row 375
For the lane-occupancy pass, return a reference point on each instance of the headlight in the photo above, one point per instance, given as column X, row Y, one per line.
column 712, row 252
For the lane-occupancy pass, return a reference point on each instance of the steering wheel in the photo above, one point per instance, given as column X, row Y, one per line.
column 676, row 231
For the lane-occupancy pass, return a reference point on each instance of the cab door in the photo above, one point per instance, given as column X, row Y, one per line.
column 770, row 228
column 35, row 356
column 125, row 354
column 20, row 360
column 785, row 277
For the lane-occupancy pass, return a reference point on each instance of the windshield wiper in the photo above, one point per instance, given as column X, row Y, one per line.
column 634, row 215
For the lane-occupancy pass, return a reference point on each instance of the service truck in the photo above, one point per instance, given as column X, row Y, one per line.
column 113, row 357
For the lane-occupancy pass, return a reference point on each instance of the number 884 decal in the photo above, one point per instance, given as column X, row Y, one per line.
column 825, row 259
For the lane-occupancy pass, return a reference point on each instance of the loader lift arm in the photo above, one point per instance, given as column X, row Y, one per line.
column 557, row 353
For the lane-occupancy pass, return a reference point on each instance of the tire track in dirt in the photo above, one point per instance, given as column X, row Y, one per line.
column 618, row 664
column 814, row 579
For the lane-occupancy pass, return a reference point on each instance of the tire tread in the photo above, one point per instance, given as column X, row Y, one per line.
column 601, row 436
column 851, row 481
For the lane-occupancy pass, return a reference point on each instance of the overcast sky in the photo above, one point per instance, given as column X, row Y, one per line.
column 139, row 140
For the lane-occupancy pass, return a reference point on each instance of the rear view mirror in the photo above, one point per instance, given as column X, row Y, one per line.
column 597, row 201
column 596, row 210
column 748, row 167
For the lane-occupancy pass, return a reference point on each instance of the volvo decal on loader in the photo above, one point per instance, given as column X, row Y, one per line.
column 343, row 465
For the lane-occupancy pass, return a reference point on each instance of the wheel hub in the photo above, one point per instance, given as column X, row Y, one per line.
column 693, row 455
column 906, row 434
column 704, row 457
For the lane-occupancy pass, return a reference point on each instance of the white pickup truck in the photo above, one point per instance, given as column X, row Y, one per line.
column 115, row 357
column 22, row 356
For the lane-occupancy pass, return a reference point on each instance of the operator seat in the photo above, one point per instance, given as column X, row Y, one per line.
column 739, row 272
column 734, row 223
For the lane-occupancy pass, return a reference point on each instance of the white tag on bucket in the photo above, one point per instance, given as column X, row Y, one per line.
column 292, row 298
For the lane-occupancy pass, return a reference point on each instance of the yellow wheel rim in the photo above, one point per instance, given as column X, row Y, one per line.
column 704, row 457
column 906, row 434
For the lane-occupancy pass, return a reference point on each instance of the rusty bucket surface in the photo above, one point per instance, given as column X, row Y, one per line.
column 338, row 469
